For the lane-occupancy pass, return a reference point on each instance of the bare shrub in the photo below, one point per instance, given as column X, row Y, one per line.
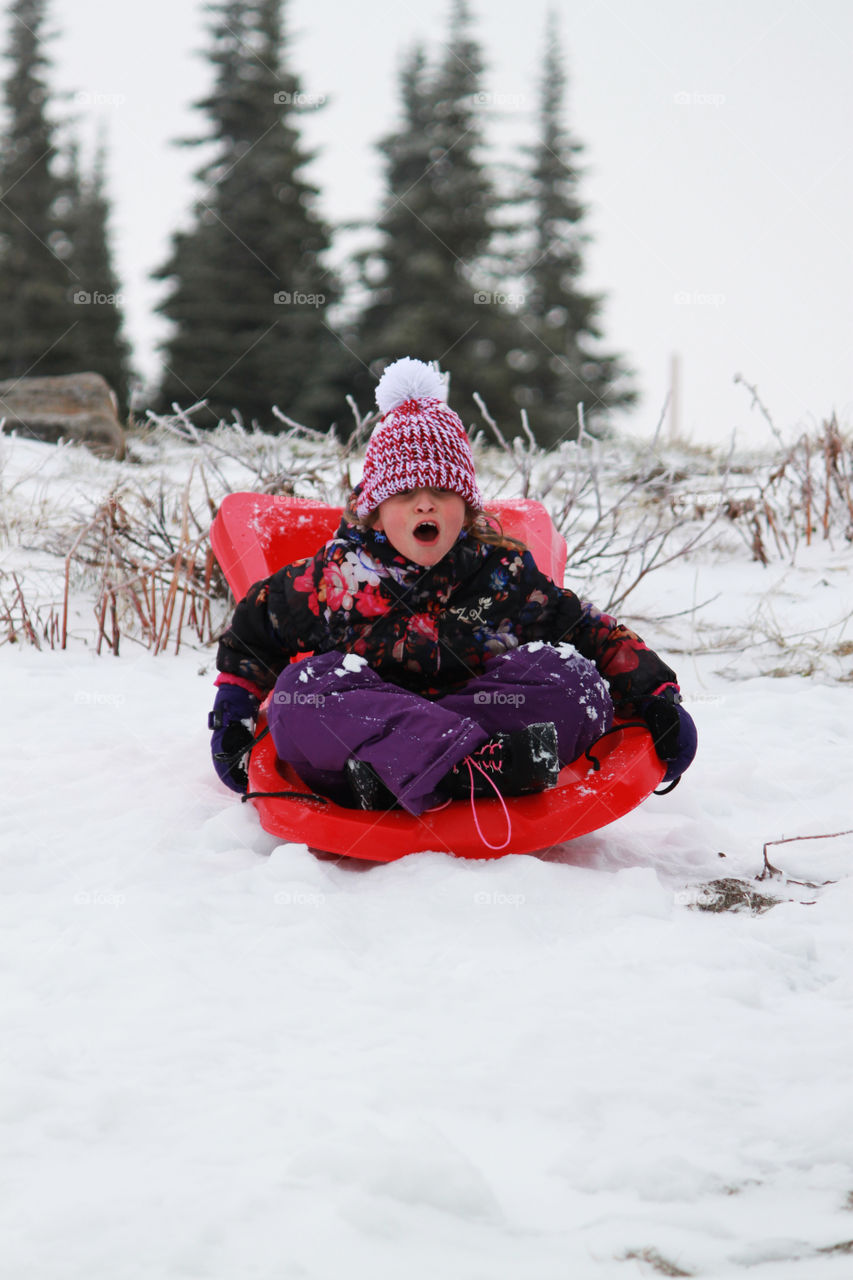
column 625, row 511
column 137, row 541
column 804, row 491
column 152, row 567
column 23, row 622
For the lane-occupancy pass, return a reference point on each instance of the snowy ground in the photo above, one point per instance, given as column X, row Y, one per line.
column 225, row 1056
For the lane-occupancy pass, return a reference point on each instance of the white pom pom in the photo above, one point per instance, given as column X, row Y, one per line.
column 408, row 379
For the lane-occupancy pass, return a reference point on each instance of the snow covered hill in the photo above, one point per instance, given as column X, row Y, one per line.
column 226, row 1056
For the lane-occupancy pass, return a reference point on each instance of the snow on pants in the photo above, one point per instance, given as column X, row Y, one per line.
column 331, row 706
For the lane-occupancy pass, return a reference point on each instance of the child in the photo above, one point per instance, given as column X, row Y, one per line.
column 444, row 662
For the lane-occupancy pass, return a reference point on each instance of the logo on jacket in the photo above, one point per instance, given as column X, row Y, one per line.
column 474, row 613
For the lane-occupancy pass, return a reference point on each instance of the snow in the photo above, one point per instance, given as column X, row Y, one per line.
column 350, row 662
column 353, row 662
column 227, row 1056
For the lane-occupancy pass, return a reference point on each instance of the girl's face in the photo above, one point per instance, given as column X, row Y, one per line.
column 422, row 524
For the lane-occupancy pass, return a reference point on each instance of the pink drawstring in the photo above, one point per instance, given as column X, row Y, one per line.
column 434, row 808
column 472, row 765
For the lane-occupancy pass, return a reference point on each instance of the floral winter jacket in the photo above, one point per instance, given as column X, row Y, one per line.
column 426, row 629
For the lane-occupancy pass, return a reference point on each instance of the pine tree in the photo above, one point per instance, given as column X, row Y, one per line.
column 98, row 339
column 431, row 275
column 560, row 363
column 249, row 292
column 37, row 315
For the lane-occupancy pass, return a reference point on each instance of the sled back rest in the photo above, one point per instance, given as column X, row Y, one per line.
column 254, row 534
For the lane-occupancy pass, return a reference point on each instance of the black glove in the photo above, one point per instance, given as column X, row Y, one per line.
column 673, row 732
column 232, row 721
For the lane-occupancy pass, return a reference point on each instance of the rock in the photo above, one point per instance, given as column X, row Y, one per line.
column 78, row 406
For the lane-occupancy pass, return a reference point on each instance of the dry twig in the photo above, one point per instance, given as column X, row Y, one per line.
column 769, row 871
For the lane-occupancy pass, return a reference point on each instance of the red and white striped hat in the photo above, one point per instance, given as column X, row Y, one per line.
column 418, row 443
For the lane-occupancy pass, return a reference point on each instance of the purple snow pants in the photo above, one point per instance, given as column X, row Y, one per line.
column 329, row 707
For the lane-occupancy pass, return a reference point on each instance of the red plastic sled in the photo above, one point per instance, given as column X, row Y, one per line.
column 255, row 534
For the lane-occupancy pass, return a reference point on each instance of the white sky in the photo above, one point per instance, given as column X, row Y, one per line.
column 718, row 153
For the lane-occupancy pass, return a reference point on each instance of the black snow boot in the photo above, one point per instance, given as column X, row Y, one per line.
column 516, row 763
column 367, row 788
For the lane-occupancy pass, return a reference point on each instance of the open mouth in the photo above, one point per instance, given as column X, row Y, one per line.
column 426, row 532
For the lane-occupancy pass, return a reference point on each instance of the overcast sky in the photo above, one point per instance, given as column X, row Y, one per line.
column 718, row 154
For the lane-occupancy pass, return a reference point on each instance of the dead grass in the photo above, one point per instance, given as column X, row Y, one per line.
column 140, row 543
column 656, row 1261
column 731, row 895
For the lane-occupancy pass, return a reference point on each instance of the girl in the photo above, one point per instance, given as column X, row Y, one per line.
column 444, row 662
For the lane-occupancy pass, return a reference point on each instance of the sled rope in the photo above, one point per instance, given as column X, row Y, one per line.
column 278, row 795
column 231, row 757
column 617, row 728
column 283, row 795
column 266, row 795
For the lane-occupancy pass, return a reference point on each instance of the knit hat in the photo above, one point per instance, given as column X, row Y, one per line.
column 419, row 443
